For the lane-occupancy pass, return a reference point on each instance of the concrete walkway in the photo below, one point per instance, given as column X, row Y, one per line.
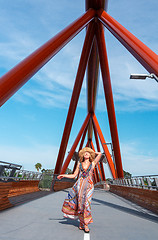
column 114, row 218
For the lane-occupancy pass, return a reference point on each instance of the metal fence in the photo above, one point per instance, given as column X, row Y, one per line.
column 13, row 172
column 144, row 182
column 22, row 175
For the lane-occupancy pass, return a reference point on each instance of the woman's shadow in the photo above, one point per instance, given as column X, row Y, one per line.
column 66, row 221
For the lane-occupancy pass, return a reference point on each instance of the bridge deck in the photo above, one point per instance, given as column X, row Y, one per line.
column 114, row 218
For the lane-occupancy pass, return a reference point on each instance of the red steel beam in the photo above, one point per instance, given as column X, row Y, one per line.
column 106, row 150
column 92, row 82
column 109, row 97
column 96, row 4
column 93, row 65
column 81, row 145
column 100, row 171
column 92, row 77
column 94, row 172
column 75, row 95
column 68, row 159
column 83, row 137
column 96, row 166
column 97, row 174
column 101, row 168
column 96, row 138
column 138, row 49
column 21, row 73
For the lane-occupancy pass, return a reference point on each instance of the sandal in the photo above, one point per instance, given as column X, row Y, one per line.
column 86, row 229
column 81, row 227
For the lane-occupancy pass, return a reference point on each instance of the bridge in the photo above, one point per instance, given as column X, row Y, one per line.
column 129, row 209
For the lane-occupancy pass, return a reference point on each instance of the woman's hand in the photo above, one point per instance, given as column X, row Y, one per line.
column 98, row 153
column 60, row 176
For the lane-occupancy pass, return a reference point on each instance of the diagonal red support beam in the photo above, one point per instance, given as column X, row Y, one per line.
column 75, row 95
column 94, row 172
column 138, row 49
column 92, row 82
column 83, row 137
column 81, row 144
column 92, row 77
column 96, row 138
column 101, row 167
column 106, row 150
column 109, row 97
column 20, row 74
column 68, row 159
column 97, row 167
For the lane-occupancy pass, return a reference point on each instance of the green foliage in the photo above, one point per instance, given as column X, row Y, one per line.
column 46, row 181
column 47, row 176
column 68, row 171
column 38, row 166
column 127, row 174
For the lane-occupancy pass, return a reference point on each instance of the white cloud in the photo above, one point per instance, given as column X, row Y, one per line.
column 136, row 162
column 129, row 94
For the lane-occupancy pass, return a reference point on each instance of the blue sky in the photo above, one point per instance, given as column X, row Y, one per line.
column 32, row 121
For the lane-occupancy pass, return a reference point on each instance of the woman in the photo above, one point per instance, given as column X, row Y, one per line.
column 78, row 202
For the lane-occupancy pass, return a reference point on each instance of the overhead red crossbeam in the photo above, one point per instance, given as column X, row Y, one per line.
column 20, row 74
column 138, row 49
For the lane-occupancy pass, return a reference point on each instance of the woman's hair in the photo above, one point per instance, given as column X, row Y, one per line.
column 90, row 158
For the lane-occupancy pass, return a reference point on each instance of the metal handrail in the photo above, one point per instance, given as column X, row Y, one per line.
column 22, row 175
column 144, row 182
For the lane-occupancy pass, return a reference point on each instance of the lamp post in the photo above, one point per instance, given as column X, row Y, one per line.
column 144, row 76
column 112, row 152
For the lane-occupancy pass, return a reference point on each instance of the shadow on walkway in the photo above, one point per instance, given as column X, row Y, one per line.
column 21, row 199
column 66, row 221
column 128, row 210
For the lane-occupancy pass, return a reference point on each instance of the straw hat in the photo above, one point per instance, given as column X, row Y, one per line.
column 86, row 149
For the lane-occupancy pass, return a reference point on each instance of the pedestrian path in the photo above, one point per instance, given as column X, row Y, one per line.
column 114, row 218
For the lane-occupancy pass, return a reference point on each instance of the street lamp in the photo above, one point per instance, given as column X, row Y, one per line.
column 112, row 151
column 143, row 76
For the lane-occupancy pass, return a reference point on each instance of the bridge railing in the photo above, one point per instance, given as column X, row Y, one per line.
column 144, row 182
column 22, row 175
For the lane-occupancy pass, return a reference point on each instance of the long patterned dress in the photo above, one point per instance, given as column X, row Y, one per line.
column 78, row 202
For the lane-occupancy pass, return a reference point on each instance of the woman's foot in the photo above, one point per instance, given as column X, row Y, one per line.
column 81, row 227
column 86, row 229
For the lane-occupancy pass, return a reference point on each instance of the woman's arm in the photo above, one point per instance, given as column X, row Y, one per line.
column 70, row 175
column 96, row 160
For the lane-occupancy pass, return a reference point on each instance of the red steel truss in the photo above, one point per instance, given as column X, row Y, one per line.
column 93, row 54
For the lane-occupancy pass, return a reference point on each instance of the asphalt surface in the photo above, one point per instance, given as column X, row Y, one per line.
column 114, row 218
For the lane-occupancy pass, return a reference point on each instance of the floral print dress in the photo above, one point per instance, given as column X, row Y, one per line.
column 78, row 202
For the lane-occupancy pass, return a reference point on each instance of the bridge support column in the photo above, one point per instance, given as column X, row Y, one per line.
column 109, row 97
column 108, row 156
column 75, row 95
column 68, row 159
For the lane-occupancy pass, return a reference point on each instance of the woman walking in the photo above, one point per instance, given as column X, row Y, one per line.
column 78, row 202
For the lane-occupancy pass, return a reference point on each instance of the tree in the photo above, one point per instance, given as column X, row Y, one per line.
column 68, row 171
column 127, row 174
column 38, row 166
